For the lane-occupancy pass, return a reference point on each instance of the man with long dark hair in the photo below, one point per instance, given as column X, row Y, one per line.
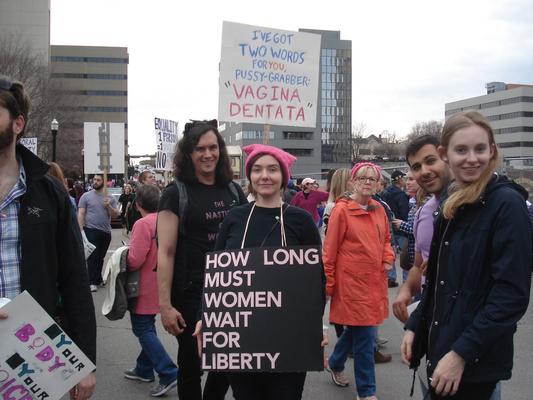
column 41, row 243
column 190, row 213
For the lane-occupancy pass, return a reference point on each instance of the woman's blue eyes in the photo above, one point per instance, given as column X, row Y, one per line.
column 463, row 150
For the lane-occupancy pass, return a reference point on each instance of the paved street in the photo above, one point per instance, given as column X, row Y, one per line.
column 118, row 348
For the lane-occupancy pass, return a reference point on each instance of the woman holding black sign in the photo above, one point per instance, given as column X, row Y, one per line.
column 357, row 255
column 267, row 222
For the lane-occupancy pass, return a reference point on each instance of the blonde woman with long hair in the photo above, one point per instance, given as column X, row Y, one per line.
column 478, row 277
column 340, row 184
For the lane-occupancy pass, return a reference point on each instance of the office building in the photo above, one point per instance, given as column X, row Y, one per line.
column 94, row 80
column 335, row 99
column 509, row 108
column 328, row 145
column 27, row 23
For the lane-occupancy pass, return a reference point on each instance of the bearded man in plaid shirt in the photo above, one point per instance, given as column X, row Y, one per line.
column 40, row 241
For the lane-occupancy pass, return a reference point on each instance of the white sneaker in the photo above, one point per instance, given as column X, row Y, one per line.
column 161, row 389
column 93, row 288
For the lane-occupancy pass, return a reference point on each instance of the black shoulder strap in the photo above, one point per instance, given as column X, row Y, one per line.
column 234, row 192
column 182, row 206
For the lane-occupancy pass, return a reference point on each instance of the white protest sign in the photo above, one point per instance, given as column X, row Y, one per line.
column 268, row 76
column 37, row 359
column 103, row 147
column 166, row 136
column 30, row 143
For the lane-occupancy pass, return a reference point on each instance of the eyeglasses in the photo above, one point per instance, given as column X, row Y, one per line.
column 364, row 179
column 5, row 83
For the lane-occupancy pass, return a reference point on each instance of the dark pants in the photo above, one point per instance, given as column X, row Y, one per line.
column 216, row 386
column 190, row 374
column 338, row 330
column 95, row 262
column 477, row 391
column 267, row 385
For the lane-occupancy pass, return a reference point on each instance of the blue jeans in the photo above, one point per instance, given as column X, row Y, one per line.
column 400, row 240
column 497, row 394
column 153, row 355
column 360, row 340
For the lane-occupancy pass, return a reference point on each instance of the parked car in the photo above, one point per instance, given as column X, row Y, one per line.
column 115, row 192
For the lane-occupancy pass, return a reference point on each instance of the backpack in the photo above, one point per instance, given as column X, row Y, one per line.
column 184, row 202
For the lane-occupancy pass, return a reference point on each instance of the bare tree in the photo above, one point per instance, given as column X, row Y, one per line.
column 390, row 146
column 47, row 101
column 431, row 127
column 359, row 132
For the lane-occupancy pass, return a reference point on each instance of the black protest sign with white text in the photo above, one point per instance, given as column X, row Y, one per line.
column 262, row 310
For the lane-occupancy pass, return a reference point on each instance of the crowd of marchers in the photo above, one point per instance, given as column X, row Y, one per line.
column 459, row 233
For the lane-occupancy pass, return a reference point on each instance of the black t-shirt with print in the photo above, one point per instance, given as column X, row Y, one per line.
column 207, row 206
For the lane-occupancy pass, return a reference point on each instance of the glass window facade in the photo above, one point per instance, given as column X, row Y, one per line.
column 514, row 129
column 515, row 144
column 336, row 100
column 252, row 135
column 517, row 114
column 89, row 76
column 300, row 152
column 97, row 109
column 497, row 103
column 96, row 92
column 290, row 135
column 112, row 60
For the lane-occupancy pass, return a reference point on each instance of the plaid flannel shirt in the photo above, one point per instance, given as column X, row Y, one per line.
column 10, row 247
column 407, row 228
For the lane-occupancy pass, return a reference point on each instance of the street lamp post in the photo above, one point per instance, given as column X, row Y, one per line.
column 54, row 126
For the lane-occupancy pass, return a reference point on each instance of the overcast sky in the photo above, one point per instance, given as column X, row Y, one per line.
column 409, row 57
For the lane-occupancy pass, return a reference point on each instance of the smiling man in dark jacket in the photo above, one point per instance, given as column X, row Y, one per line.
column 41, row 243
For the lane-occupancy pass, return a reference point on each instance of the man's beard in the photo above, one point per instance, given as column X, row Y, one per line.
column 7, row 137
column 97, row 187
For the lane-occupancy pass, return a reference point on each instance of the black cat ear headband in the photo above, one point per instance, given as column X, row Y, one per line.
column 193, row 123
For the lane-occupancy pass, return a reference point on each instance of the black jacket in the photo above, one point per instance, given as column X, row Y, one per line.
column 398, row 202
column 53, row 267
column 478, row 285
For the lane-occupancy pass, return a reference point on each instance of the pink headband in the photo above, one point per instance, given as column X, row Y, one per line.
column 360, row 165
column 285, row 159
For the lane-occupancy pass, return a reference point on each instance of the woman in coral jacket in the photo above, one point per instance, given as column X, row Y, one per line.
column 357, row 256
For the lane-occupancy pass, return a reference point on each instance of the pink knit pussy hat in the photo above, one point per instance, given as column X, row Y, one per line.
column 360, row 165
column 285, row 159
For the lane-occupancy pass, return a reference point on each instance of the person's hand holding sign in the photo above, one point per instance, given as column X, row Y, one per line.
column 198, row 335
column 323, row 344
column 3, row 302
column 84, row 389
